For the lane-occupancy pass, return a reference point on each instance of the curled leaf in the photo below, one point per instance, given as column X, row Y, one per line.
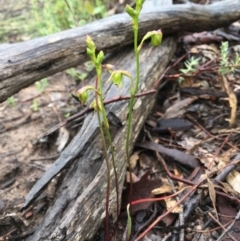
column 129, row 223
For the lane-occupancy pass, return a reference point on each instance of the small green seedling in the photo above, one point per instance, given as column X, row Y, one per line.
column 226, row 65
column 11, row 101
column 42, row 85
column 35, row 106
column 76, row 74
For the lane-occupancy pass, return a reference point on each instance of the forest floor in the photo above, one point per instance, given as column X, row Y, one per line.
column 195, row 122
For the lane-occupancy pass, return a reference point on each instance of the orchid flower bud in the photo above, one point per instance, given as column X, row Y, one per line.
column 82, row 94
column 131, row 12
column 117, row 78
column 156, row 38
column 90, row 43
column 100, row 57
column 89, row 52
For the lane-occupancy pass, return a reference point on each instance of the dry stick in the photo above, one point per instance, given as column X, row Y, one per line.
column 202, row 68
column 155, row 86
column 181, row 219
column 225, row 230
column 142, row 227
column 218, row 151
column 167, row 236
column 88, row 109
column 211, row 230
column 207, row 132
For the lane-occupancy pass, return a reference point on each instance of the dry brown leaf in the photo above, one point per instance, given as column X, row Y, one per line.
column 134, row 177
column 133, row 159
column 144, row 161
column 189, row 143
column 178, row 108
column 165, row 188
column 227, row 188
column 208, row 160
column 140, row 190
column 232, row 99
column 178, row 174
column 209, row 51
column 171, row 203
column 212, row 194
column 225, row 157
column 233, row 179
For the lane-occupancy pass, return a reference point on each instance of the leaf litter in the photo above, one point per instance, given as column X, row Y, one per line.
column 194, row 127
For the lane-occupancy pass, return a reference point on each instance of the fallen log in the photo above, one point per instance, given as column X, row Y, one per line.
column 21, row 64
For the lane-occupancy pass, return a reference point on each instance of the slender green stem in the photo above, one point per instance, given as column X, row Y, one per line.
column 136, row 56
column 127, row 144
column 105, row 122
column 134, row 90
column 97, row 98
column 108, row 174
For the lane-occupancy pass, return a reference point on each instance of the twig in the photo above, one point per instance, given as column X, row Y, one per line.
column 89, row 109
column 142, row 227
column 229, row 227
column 155, row 86
column 225, row 230
column 223, row 174
column 166, row 237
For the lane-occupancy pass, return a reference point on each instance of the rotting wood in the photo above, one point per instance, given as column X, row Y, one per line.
column 21, row 64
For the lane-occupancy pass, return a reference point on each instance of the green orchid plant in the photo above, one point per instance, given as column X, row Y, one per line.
column 116, row 77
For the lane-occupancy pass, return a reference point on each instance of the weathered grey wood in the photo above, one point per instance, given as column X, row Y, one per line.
column 21, row 64
column 80, row 203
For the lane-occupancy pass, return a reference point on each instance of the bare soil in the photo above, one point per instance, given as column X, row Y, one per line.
column 23, row 158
